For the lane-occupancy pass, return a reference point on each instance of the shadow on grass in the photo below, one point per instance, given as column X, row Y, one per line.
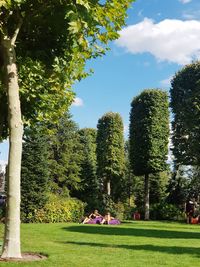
column 106, row 230
column 152, row 248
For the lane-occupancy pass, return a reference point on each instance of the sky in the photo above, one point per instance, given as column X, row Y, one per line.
column 159, row 38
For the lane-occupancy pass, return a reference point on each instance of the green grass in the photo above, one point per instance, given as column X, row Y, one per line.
column 134, row 244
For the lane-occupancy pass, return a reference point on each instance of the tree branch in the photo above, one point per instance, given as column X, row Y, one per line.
column 15, row 34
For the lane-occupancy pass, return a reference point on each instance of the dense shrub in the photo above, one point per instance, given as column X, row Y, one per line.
column 165, row 211
column 59, row 209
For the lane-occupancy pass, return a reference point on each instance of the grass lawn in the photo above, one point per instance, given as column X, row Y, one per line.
column 134, row 244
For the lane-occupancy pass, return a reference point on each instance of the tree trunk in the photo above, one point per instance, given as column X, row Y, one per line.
column 11, row 246
column 108, row 188
column 146, row 197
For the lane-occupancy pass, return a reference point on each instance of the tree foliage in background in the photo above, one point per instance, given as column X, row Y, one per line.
column 35, row 173
column 194, row 185
column 149, row 133
column 66, row 156
column 178, row 188
column 110, row 153
column 185, row 103
column 158, row 183
column 158, row 186
column 128, row 182
column 89, row 185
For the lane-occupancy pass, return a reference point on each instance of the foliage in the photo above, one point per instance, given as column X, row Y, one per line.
column 60, row 209
column 89, row 185
column 34, row 172
column 194, row 183
column 66, row 156
column 158, row 186
column 45, row 95
column 183, row 185
column 165, row 211
column 149, row 132
column 178, row 188
column 185, row 104
column 54, row 40
column 110, row 152
column 127, row 191
column 158, row 189
column 124, row 211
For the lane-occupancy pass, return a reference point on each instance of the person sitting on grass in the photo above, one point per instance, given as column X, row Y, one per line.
column 92, row 216
column 107, row 218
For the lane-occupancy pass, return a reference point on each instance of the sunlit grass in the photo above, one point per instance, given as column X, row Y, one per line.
column 153, row 244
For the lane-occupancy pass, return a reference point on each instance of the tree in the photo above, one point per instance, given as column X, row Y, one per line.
column 110, row 153
column 66, row 156
column 178, row 188
column 35, row 172
column 89, row 185
column 158, row 186
column 128, row 182
column 185, row 103
column 149, row 133
column 194, row 185
column 61, row 36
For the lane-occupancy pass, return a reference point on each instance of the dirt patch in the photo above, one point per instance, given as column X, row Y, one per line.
column 27, row 257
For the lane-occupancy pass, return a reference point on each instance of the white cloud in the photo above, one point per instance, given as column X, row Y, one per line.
column 185, row 1
column 78, row 102
column 166, row 82
column 169, row 40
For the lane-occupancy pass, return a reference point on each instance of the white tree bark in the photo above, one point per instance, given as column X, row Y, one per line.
column 11, row 246
column 146, row 197
column 108, row 188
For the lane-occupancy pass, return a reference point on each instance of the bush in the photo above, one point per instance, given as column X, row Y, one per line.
column 59, row 209
column 165, row 211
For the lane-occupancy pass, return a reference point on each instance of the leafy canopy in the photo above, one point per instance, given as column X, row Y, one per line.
column 149, row 132
column 185, row 103
column 54, row 41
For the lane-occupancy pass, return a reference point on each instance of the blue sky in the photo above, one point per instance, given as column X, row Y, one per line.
column 146, row 56
column 159, row 39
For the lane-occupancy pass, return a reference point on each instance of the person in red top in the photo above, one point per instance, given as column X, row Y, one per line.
column 189, row 210
column 136, row 215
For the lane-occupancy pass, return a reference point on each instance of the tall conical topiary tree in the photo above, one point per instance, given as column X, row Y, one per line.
column 149, row 134
column 185, row 103
column 110, row 153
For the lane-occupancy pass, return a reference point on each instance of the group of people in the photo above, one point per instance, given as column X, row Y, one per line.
column 192, row 215
column 96, row 218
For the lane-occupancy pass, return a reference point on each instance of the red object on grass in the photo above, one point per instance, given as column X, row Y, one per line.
column 136, row 216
